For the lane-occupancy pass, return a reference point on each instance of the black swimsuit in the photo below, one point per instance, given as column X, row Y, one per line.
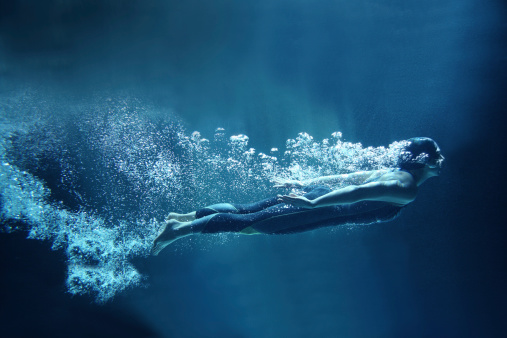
column 272, row 217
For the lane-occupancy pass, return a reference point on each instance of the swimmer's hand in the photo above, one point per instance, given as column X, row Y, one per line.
column 286, row 183
column 297, row 201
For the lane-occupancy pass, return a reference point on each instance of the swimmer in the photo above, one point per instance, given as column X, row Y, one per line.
column 368, row 197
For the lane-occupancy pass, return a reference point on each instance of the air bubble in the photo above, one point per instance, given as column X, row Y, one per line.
column 124, row 172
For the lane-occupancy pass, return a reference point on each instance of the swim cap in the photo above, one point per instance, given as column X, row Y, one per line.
column 420, row 151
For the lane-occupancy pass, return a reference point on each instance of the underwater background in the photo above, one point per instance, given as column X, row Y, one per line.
column 114, row 113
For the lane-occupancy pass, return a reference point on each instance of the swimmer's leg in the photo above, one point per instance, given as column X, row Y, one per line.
column 175, row 230
column 181, row 217
column 172, row 231
column 230, row 208
column 249, row 208
column 209, row 210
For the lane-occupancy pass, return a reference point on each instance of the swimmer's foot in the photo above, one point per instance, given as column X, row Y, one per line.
column 173, row 231
column 181, row 217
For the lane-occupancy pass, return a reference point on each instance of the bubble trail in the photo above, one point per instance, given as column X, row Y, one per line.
column 97, row 252
column 96, row 185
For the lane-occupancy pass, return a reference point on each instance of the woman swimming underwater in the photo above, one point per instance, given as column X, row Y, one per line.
column 368, row 197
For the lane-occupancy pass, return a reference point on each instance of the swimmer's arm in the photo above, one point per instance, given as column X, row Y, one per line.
column 352, row 178
column 392, row 191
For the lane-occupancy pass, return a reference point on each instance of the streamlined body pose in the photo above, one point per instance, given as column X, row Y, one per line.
column 369, row 197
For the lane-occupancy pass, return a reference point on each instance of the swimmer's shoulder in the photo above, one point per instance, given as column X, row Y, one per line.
column 403, row 177
column 405, row 188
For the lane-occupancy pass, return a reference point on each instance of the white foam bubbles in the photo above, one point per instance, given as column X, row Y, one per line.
column 98, row 252
column 137, row 170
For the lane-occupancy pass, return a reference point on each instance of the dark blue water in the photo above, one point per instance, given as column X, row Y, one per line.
column 98, row 104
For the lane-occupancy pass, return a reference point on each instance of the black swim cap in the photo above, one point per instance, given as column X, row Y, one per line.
column 420, row 152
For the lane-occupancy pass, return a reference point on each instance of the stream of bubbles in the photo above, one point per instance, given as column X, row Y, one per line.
column 96, row 178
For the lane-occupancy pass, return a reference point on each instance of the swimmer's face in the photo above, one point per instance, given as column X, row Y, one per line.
column 436, row 165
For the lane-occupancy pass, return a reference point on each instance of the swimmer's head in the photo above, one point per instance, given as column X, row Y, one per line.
column 419, row 153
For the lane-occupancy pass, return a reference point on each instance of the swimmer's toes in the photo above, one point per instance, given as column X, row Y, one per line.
column 155, row 250
column 157, row 247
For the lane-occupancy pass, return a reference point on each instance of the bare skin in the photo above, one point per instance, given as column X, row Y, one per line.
column 396, row 187
column 173, row 230
column 181, row 217
column 343, row 179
